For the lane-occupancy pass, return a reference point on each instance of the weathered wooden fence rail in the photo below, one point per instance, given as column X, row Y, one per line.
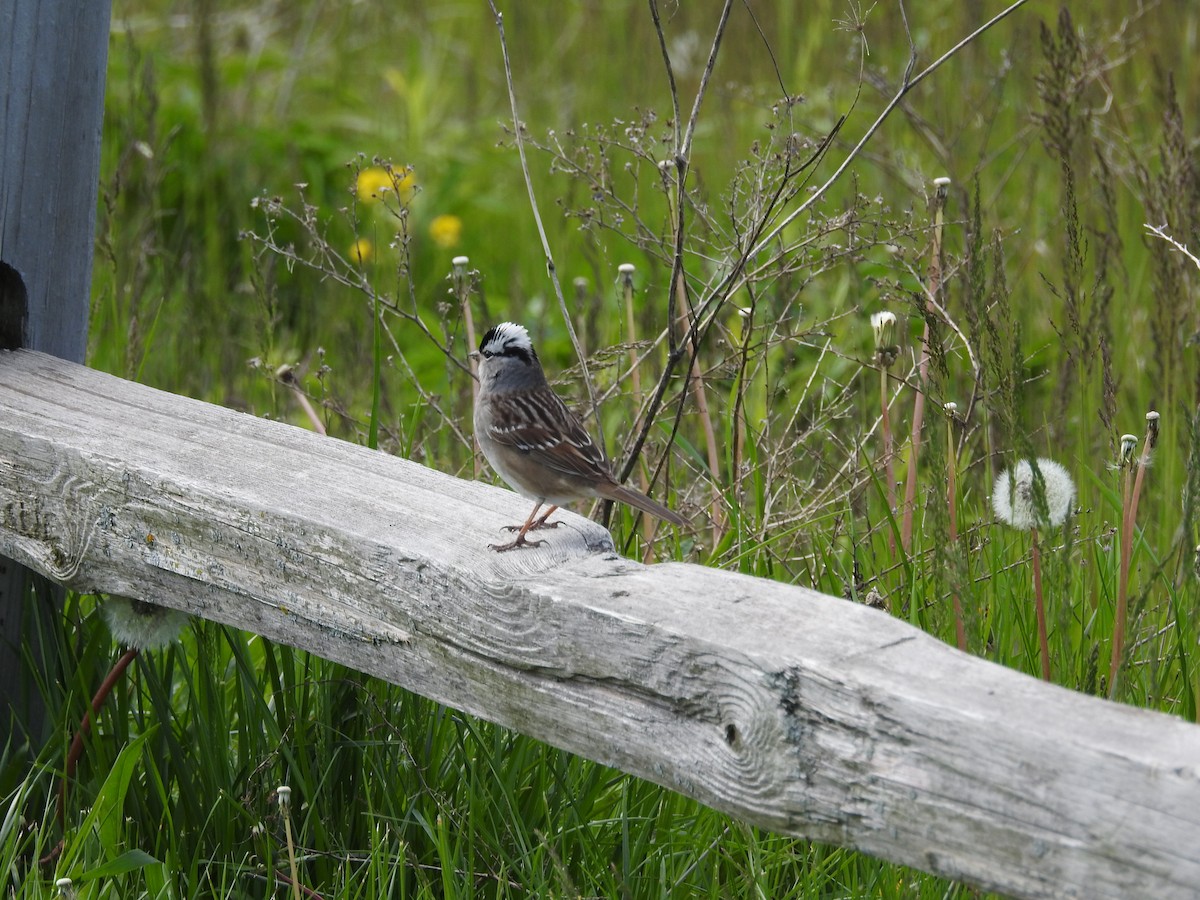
column 789, row 709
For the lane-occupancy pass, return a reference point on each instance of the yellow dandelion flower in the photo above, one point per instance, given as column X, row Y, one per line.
column 361, row 251
column 446, row 231
column 370, row 182
column 375, row 181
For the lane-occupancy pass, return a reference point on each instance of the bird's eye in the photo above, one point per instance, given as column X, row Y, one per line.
column 487, row 354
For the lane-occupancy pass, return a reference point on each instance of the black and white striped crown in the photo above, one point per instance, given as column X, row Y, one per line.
column 507, row 339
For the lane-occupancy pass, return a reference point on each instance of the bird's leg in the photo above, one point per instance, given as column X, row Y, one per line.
column 542, row 523
column 520, row 540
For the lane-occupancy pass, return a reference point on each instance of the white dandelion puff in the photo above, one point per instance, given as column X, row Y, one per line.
column 1020, row 501
column 141, row 625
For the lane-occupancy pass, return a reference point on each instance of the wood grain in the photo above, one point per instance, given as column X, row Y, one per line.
column 788, row 709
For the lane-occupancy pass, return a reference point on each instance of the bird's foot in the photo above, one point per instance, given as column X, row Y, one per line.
column 518, row 543
column 540, row 523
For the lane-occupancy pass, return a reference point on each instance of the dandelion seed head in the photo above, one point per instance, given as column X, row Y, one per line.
column 1019, row 501
column 141, row 625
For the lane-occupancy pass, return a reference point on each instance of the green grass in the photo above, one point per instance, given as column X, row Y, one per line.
column 1061, row 138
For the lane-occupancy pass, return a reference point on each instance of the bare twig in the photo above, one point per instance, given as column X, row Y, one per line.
column 733, row 277
column 678, row 291
column 551, row 269
column 907, row 83
column 1160, row 231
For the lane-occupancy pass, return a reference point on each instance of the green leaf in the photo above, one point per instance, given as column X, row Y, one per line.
column 126, row 862
column 105, row 816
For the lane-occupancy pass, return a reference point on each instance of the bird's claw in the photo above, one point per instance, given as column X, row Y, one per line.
column 518, row 544
column 534, row 527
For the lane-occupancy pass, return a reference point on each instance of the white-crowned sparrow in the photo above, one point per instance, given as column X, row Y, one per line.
column 534, row 442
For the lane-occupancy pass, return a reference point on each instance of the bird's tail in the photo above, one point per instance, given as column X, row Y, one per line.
column 641, row 501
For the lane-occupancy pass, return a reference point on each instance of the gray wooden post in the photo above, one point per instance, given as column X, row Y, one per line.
column 53, row 56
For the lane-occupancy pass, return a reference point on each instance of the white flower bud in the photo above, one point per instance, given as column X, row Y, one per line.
column 884, row 325
column 1152, row 429
column 1128, row 446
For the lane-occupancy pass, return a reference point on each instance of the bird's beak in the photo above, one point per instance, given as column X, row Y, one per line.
column 473, row 356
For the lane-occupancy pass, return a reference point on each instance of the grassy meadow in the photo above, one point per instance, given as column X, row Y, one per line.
column 275, row 175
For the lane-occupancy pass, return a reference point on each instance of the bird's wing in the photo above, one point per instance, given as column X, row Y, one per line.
column 539, row 423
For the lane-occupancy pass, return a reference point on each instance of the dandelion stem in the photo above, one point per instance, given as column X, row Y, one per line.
column 889, row 462
column 933, row 289
column 1039, row 602
column 85, row 727
column 462, row 288
column 291, row 849
column 1129, row 518
column 960, row 628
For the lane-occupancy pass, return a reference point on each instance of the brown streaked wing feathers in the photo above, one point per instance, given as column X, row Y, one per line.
column 539, row 423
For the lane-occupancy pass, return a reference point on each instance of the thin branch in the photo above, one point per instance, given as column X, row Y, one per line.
column 685, row 151
column 551, row 269
column 678, row 284
column 1160, row 231
column 906, row 84
column 662, row 46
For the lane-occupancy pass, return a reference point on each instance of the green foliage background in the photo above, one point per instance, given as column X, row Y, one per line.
column 1063, row 136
